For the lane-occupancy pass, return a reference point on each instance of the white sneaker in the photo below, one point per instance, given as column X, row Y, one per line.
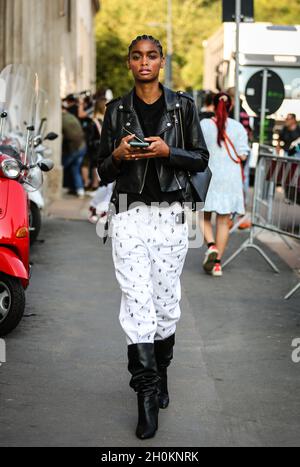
column 217, row 270
column 210, row 257
column 93, row 218
column 81, row 193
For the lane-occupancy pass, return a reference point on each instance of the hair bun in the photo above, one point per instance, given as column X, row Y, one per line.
column 224, row 98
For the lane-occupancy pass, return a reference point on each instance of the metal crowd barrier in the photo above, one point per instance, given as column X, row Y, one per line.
column 276, row 203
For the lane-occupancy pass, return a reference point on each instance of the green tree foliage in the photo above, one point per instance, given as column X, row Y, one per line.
column 111, row 69
column 120, row 21
column 278, row 11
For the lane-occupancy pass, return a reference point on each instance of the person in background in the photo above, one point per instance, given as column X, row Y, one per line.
column 294, row 150
column 85, row 115
column 98, row 118
column 100, row 202
column 74, row 150
column 227, row 142
column 289, row 134
column 207, row 110
column 71, row 104
column 246, row 122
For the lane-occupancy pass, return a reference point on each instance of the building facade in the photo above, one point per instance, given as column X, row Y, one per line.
column 56, row 39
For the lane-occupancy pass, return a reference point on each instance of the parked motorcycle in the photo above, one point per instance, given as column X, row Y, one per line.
column 36, row 197
column 37, row 203
column 19, row 172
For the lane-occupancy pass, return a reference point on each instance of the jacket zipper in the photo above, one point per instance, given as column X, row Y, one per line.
column 176, row 133
column 144, row 179
column 180, row 187
column 176, row 123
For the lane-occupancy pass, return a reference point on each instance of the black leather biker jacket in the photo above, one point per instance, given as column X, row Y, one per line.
column 121, row 120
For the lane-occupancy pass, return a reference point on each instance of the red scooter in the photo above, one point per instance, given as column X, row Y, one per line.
column 17, row 170
column 14, row 242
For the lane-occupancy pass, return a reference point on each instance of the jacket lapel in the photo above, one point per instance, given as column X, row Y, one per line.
column 171, row 103
column 132, row 124
column 165, row 123
column 131, row 121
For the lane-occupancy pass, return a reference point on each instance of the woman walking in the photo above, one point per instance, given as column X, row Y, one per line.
column 150, row 235
column 227, row 142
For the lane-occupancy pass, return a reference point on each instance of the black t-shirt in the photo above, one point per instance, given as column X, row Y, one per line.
column 149, row 116
column 288, row 136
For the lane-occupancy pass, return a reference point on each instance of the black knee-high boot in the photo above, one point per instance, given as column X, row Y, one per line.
column 164, row 356
column 142, row 365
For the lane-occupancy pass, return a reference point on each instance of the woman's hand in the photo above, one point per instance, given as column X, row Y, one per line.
column 157, row 148
column 124, row 152
column 243, row 158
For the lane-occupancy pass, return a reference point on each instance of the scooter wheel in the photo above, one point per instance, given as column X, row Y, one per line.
column 12, row 303
column 35, row 222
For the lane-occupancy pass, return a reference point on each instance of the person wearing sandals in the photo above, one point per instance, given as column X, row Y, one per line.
column 150, row 235
column 227, row 142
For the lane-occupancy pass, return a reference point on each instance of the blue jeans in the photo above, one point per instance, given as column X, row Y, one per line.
column 73, row 163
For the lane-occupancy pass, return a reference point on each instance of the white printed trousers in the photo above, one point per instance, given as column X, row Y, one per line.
column 149, row 251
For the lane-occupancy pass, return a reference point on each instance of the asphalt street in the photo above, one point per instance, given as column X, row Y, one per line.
column 232, row 383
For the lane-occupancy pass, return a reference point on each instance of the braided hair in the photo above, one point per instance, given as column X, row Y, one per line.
column 145, row 37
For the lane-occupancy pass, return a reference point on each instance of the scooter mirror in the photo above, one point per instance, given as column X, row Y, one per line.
column 46, row 165
column 37, row 141
column 51, row 136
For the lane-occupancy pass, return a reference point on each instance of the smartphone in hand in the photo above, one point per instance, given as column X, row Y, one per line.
column 139, row 144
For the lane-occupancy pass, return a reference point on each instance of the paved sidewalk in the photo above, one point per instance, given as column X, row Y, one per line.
column 70, row 208
column 233, row 382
